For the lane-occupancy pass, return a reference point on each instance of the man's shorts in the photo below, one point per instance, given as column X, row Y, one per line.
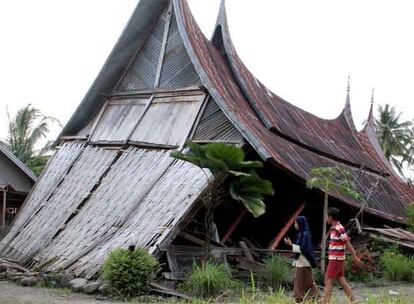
column 336, row 269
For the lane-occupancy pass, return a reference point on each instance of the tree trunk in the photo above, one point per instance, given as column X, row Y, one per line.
column 325, row 217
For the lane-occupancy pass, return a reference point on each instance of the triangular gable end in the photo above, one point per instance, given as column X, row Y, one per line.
column 163, row 45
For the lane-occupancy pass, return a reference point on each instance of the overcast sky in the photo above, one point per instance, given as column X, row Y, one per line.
column 51, row 50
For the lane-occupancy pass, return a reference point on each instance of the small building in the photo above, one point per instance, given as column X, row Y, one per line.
column 112, row 182
column 16, row 181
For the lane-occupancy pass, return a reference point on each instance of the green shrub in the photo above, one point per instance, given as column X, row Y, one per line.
column 276, row 270
column 397, row 267
column 208, row 280
column 380, row 246
column 410, row 216
column 128, row 271
column 368, row 272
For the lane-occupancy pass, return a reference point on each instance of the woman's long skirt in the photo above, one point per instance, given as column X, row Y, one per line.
column 304, row 285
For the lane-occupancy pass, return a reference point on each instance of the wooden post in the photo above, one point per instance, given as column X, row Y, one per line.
column 233, row 226
column 325, row 217
column 289, row 223
column 3, row 215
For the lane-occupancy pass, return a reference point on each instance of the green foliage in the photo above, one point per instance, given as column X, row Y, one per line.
column 128, row 271
column 209, row 280
column 397, row 267
column 333, row 179
column 381, row 246
column 37, row 163
column 250, row 190
column 410, row 216
column 247, row 187
column 395, row 136
column 26, row 129
column 218, row 157
column 276, row 270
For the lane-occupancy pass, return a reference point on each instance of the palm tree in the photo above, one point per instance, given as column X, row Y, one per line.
column 329, row 179
column 26, row 129
column 394, row 135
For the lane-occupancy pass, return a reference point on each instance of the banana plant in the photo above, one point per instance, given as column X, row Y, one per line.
column 224, row 160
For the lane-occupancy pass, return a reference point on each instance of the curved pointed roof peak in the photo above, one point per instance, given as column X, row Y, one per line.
column 347, row 111
column 348, row 88
column 370, row 120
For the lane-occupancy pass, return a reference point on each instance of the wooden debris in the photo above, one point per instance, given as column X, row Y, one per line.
column 6, row 265
column 192, row 238
column 252, row 266
column 167, row 291
column 246, row 251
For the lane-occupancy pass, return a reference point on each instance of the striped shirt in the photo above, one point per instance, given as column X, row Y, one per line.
column 337, row 242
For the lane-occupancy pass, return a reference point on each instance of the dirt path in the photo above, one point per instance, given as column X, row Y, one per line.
column 14, row 294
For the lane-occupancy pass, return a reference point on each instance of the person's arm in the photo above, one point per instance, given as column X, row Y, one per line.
column 295, row 248
column 353, row 252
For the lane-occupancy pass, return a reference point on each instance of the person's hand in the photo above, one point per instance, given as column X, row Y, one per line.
column 288, row 241
column 357, row 261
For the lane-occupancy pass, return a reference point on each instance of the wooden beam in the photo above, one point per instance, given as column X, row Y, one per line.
column 160, row 92
column 97, row 120
column 233, row 226
column 275, row 242
column 193, row 238
column 74, row 137
column 163, row 47
column 3, row 214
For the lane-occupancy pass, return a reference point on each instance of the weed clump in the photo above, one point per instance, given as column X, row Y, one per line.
column 208, row 280
column 276, row 271
column 128, row 271
column 397, row 267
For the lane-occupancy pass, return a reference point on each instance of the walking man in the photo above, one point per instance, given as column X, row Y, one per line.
column 338, row 243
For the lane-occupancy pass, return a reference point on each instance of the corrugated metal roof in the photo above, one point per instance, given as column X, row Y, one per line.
column 394, row 235
column 292, row 138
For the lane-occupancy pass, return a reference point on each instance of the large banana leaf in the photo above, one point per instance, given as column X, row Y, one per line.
column 218, row 157
column 250, row 190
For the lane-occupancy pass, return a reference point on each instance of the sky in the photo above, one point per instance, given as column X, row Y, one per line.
column 52, row 50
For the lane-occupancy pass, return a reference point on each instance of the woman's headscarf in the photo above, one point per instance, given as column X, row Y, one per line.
column 304, row 240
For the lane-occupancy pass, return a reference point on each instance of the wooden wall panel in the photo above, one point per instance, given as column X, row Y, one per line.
column 159, row 211
column 121, row 192
column 53, row 173
column 118, row 120
column 62, row 204
column 168, row 120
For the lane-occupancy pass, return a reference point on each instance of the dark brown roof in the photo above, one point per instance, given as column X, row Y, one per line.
column 295, row 140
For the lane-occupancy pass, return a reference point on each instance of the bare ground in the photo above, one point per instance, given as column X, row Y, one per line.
column 11, row 293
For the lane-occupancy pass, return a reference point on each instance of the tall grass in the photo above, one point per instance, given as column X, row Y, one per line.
column 209, row 280
column 276, row 270
column 397, row 267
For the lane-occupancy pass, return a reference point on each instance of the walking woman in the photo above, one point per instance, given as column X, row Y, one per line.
column 304, row 285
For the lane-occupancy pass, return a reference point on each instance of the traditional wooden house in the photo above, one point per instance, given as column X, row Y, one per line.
column 112, row 182
column 16, row 180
